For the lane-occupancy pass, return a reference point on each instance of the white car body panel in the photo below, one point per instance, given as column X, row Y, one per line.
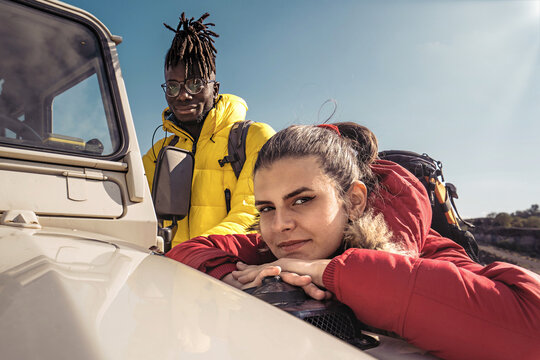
column 67, row 295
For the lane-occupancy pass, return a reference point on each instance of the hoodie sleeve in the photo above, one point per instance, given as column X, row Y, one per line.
column 442, row 302
column 217, row 255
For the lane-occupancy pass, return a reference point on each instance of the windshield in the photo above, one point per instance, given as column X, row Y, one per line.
column 54, row 93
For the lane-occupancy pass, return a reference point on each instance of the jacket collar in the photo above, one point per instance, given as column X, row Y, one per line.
column 227, row 110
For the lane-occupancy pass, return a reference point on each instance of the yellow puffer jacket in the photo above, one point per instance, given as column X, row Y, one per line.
column 208, row 212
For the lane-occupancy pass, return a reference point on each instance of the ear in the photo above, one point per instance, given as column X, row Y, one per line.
column 216, row 90
column 357, row 199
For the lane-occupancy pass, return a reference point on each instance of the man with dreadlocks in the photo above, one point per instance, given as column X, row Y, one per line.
column 200, row 120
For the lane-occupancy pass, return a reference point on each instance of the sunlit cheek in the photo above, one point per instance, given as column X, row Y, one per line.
column 336, row 217
column 265, row 230
column 335, row 228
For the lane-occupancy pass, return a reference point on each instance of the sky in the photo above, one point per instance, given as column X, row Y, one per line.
column 456, row 79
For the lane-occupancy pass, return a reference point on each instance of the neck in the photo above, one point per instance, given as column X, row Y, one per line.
column 193, row 128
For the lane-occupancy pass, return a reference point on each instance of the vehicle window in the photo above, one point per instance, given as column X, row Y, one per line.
column 79, row 112
column 54, row 92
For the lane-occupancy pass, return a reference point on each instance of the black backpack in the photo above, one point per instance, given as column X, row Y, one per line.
column 445, row 215
column 236, row 154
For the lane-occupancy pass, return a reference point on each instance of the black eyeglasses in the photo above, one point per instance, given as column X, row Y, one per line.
column 193, row 86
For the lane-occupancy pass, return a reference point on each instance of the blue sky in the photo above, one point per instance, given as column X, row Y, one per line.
column 456, row 79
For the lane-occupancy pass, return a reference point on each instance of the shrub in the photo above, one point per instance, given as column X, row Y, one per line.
column 532, row 222
column 503, row 219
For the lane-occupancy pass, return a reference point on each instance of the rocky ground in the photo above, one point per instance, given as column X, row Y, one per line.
column 489, row 254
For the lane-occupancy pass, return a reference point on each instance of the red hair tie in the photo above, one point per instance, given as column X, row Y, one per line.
column 331, row 127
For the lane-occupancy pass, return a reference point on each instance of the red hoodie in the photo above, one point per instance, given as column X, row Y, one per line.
column 441, row 301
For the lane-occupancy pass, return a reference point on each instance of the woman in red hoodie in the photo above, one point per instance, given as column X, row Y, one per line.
column 336, row 220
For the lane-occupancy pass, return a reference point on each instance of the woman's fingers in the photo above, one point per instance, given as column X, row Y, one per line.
column 241, row 266
column 267, row 271
column 316, row 293
column 254, row 277
column 248, row 273
column 229, row 279
column 305, row 282
column 295, row 279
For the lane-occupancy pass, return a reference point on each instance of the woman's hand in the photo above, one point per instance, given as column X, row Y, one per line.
column 229, row 279
column 306, row 274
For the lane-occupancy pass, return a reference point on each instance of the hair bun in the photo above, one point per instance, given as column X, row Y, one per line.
column 363, row 140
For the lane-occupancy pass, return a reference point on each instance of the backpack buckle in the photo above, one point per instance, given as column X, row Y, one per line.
column 227, row 160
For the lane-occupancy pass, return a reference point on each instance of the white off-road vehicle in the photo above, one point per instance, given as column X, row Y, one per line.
column 80, row 276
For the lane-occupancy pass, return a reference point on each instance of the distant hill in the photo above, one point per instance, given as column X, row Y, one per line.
column 513, row 238
column 529, row 218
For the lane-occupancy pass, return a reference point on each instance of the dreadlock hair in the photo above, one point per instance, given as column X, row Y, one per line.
column 193, row 45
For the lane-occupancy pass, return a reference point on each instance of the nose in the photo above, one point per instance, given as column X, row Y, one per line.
column 283, row 221
column 183, row 95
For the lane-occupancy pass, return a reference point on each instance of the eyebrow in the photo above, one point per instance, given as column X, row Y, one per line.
column 288, row 196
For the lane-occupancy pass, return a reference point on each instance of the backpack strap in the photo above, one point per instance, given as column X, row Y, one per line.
column 236, row 153
column 452, row 194
column 174, row 141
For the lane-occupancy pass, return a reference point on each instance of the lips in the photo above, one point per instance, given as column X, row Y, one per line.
column 185, row 108
column 292, row 245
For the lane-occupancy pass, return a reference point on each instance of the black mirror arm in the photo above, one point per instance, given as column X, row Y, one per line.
column 167, row 233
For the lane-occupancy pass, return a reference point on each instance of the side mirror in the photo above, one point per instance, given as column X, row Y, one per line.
column 171, row 192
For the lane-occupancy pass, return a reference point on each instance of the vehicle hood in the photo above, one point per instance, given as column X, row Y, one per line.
column 69, row 295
